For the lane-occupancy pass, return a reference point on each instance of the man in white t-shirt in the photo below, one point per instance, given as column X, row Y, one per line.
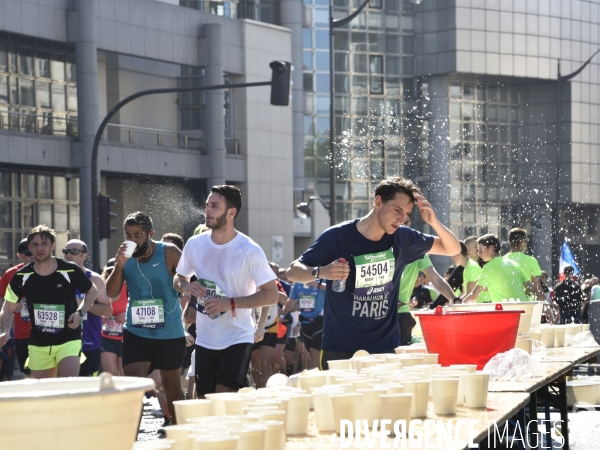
column 233, row 278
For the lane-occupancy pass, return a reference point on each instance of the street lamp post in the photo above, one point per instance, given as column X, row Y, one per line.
column 332, row 177
column 561, row 79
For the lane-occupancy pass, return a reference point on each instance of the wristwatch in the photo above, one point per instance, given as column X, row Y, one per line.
column 315, row 272
column 81, row 312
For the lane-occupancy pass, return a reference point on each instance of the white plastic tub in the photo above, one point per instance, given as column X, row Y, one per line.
column 72, row 413
column 526, row 320
column 583, row 390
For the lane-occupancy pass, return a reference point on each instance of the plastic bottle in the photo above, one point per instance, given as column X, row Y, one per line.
column 339, row 285
column 201, row 303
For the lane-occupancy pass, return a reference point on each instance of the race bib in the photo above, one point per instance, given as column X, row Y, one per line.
column 49, row 318
column 112, row 328
column 24, row 311
column 148, row 313
column 374, row 275
column 307, row 302
column 213, row 291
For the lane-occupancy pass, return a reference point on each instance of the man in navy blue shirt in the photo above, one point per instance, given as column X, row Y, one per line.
column 370, row 254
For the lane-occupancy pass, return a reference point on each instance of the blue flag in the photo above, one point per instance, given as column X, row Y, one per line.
column 567, row 259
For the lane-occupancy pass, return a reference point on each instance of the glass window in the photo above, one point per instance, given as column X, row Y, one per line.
column 61, row 217
column 27, row 95
column 376, row 42
column 392, row 22
column 42, row 64
column 12, row 58
column 43, row 94
column 307, row 38
column 392, row 44
column 342, row 84
column 359, row 85
column 323, row 126
column 59, row 100
column 74, row 216
column 342, row 62
column 14, row 91
column 321, row 17
column 5, row 184
column 57, row 66
column 3, row 89
column 308, row 82
column 392, row 86
column 377, row 149
column 323, row 168
column 307, row 63
column 309, row 127
column 360, row 63
column 375, row 20
column 74, row 189
column 30, row 215
column 341, row 40
column 455, row 90
column 322, row 82
column 3, row 58
column 322, row 39
column 376, row 64
column 60, row 188
column 29, row 185
column 392, row 65
column 408, row 45
column 358, row 42
column 359, row 106
column 309, row 168
column 376, row 85
column 26, row 61
column 45, row 186
column 407, row 24
column 322, row 61
column 45, row 214
column 71, row 74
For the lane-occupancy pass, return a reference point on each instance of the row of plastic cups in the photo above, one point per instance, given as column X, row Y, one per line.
column 228, row 434
column 402, row 356
column 554, row 335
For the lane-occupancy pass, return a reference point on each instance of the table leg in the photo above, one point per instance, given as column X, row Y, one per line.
column 533, row 420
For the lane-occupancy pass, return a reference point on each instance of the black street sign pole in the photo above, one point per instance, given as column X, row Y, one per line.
column 95, row 188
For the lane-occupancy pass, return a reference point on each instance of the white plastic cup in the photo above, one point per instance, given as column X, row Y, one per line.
column 476, row 389
column 275, row 436
column 559, row 336
column 277, row 414
column 445, row 393
column 469, row 368
column 371, row 403
column 236, row 405
column 346, row 407
column 323, row 410
column 162, row 444
column 298, row 408
column 396, row 407
column 251, row 437
column 548, row 334
column 179, row 434
column 214, row 442
column 524, row 344
column 585, row 327
column 186, row 409
column 342, row 364
column 420, row 392
column 430, row 358
column 131, row 246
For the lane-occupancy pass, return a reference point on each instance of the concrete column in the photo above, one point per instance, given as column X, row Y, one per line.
column 82, row 23
column 439, row 149
column 214, row 133
column 291, row 17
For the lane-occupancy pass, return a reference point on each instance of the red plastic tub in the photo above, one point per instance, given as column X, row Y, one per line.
column 469, row 337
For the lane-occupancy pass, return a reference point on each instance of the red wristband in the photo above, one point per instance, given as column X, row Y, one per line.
column 232, row 307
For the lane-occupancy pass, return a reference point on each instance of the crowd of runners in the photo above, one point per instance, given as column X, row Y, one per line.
column 214, row 315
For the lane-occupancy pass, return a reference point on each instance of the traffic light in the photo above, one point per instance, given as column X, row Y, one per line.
column 105, row 215
column 281, row 81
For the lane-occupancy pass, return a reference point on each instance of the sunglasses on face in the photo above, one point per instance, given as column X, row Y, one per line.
column 72, row 251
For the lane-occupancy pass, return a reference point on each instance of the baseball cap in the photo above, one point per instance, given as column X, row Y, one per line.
column 23, row 247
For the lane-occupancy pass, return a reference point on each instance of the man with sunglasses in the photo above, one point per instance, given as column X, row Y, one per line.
column 22, row 322
column 91, row 334
column 49, row 285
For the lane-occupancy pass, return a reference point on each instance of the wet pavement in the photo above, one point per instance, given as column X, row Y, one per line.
column 152, row 421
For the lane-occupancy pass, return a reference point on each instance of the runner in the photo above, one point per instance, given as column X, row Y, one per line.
column 22, row 327
column 153, row 335
column 49, row 286
column 502, row 278
column 309, row 300
column 473, row 271
column 230, row 267
column 112, row 328
column 517, row 237
column 91, row 338
column 375, row 249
